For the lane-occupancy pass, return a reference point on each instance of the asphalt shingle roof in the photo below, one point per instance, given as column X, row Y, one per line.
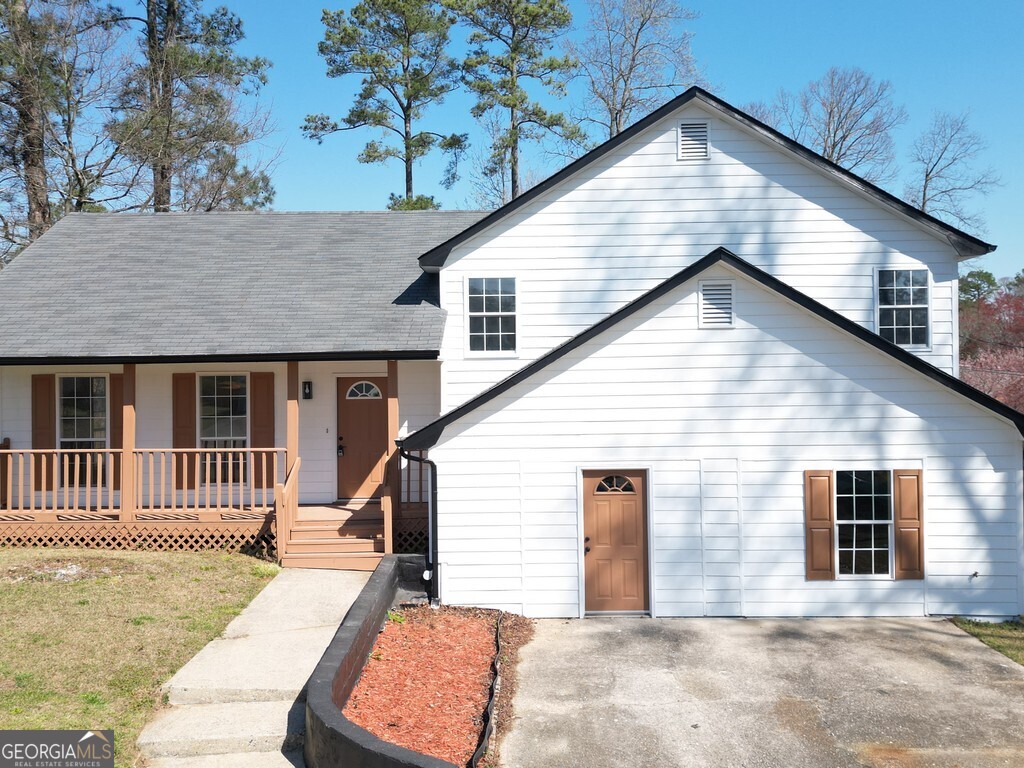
column 146, row 286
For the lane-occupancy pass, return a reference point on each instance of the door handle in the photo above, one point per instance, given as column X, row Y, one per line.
column 586, row 550
column 341, row 448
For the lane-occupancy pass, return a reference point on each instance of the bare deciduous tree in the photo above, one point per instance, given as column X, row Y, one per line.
column 945, row 176
column 847, row 117
column 634, row 57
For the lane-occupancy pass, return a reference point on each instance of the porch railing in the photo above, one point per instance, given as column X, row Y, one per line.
column 206, row 481
column 286, row 507
column 168, row 484
column 44, row 483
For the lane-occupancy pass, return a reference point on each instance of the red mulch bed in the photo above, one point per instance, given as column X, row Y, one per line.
column 426, row 683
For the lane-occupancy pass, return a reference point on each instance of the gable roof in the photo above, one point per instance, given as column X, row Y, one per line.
column 966, row 245
column 428, row 436
column 226, row 286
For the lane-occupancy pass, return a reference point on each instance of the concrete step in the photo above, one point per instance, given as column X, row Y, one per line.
column 243, row 760
column 334, row 546
column 345, row 561
column 221, row 729
column 265, row 667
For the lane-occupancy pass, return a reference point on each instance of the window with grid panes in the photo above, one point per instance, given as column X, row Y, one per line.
column 903, row 306
column 492, row 314
column 864, row 522
column 83, row 424
column 224, row 425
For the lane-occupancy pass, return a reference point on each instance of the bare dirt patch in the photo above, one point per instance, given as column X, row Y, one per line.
column 427, row 682
column 67, row 569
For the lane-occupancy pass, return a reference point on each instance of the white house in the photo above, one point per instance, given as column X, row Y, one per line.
column 699, row 371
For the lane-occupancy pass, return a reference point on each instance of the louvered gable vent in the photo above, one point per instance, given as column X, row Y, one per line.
column 693, row 141
column 716, row 304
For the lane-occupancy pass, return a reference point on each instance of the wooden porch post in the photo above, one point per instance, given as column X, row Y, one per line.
column 128, row 444
column 292, row 415
column 393, row 474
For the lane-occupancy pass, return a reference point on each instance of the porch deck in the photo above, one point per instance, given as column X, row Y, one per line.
column 189, row 499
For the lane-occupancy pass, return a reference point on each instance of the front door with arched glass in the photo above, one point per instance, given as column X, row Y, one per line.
column 615, row 541
column 362, row 437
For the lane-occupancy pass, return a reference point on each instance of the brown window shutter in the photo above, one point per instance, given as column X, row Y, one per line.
column 819, row 522
column 908, row 518
column 115, row 424
column 44, row 426
column 183, row 431
column 261, row 421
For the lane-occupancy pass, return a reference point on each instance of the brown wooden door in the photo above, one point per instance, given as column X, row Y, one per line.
column 615, row 533
column 363, row 434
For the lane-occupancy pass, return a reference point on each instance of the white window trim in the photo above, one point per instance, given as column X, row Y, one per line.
column 707, row 143
column 700, row 304
column 199, row 406
column 891, row 576
column 494, row 354
column 106, row 420
column 876, row 303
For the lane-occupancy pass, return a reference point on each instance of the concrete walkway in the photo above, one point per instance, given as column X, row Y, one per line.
column 241, row 700
column 699, row 693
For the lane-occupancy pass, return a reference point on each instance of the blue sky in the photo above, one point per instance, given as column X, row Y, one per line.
column 939, row 55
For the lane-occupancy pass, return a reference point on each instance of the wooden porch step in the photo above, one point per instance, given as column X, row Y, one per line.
column 319, row 514
column 349, row 561
column 334, row 545
column 337, row 530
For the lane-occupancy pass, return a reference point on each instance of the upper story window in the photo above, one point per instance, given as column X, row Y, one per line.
column 492, row 314
column 903, row 306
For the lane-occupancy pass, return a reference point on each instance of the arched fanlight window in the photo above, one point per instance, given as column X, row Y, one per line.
column 616, row 484
column 363, row 390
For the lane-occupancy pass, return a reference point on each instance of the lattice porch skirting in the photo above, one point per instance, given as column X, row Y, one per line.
column 249, row 536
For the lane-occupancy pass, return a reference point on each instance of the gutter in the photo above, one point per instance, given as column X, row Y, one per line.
column 430, row 574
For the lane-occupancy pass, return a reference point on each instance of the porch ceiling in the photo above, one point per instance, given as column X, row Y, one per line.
column 227, row 286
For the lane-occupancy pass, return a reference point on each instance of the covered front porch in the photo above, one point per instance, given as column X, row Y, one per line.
column 122, row 495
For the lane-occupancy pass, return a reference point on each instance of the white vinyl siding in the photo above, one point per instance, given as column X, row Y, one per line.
column 637, row 216
column 725, row 425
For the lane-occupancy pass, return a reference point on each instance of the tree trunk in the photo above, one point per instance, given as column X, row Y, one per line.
column 159, row 50
column 31, row 119
column 408, row 152
column 513, row 154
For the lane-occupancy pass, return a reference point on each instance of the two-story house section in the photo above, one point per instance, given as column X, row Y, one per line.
column 721, row 382
column 699, row 371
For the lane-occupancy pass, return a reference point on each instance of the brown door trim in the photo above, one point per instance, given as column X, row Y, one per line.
column 616, row 562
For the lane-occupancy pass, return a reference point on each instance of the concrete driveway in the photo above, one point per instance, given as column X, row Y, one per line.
column 899, row 693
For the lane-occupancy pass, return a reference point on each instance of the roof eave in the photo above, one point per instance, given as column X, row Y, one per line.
column 262, row 357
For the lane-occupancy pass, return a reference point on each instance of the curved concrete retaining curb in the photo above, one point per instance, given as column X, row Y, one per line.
column 332, row 740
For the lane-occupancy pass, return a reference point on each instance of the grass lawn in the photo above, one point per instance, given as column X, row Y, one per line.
column 1007, row 637
column 88, row 636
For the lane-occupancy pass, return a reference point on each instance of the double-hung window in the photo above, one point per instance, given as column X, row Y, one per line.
column 492, row 314
column 864, row 522
column 224, row 425
column 83, row 425
column 903, row 306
